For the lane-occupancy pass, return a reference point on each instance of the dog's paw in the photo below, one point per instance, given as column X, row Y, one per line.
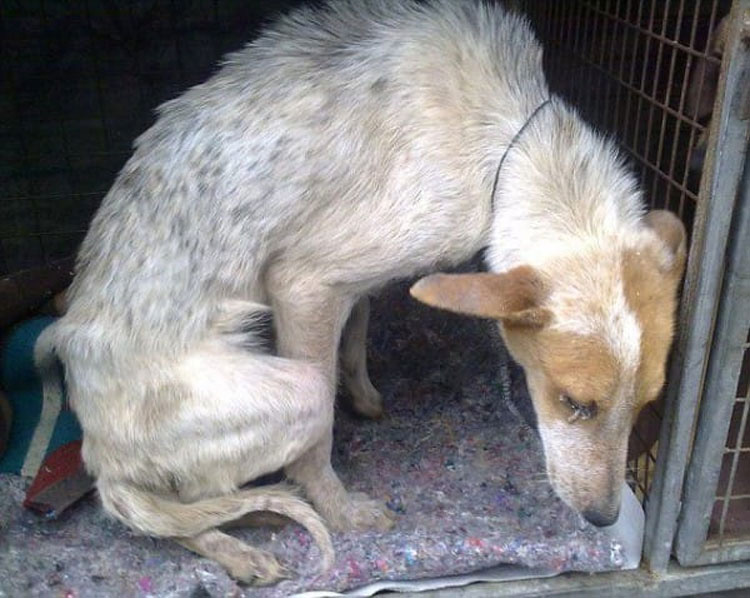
column 364, row 398
column 361, row 513
column 368, row 404
column 257, row 568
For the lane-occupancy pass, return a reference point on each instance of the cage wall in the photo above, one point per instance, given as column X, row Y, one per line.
column 80, row 80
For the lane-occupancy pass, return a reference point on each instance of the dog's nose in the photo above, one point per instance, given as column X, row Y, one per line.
column 600, row 518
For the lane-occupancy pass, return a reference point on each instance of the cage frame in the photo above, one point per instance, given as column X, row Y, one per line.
column 638, row 583
column 701, row 295
column 715, row 414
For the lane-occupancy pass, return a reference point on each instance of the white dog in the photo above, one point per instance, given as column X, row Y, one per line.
column 346, row 147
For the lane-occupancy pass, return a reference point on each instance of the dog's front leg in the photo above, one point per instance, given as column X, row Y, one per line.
column 308, row 326
column 366, row 400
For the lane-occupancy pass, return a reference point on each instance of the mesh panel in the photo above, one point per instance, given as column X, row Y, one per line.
column 730, row 518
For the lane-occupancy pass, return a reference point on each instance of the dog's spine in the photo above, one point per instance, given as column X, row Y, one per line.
column 155, row 515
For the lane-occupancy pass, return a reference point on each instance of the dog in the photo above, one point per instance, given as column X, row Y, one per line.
column 350, row 145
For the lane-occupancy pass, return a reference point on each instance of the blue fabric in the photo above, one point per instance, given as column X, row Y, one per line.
column 21, row 384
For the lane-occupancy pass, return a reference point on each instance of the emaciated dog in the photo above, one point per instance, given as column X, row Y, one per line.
column 348, row 146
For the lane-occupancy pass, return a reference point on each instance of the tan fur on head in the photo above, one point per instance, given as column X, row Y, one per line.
column 651, row 292
column 670, row 229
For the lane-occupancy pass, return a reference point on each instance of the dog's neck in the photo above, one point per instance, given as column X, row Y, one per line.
column 562, row 189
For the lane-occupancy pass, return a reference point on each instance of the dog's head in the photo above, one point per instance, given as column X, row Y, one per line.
column 592, row 331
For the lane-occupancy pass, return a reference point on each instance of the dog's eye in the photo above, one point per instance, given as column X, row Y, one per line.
column 579, row 410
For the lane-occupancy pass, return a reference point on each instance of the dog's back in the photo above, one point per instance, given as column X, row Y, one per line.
column 330, row 121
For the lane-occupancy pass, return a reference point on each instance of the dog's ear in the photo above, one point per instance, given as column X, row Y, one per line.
column 515, row 297
column 671, row 231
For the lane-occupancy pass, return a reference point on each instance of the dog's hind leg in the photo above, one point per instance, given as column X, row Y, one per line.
column 366, row 400
column 309, row 323
column 243, row 562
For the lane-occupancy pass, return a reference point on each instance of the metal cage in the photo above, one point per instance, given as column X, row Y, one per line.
column 651, row 73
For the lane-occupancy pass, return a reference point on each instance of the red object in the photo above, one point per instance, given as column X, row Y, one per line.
column 61, row 481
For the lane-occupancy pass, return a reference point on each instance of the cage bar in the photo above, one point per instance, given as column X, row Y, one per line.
column 694, row 542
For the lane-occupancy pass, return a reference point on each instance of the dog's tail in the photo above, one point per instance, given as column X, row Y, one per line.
column 45, row 359
column 156, row 515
